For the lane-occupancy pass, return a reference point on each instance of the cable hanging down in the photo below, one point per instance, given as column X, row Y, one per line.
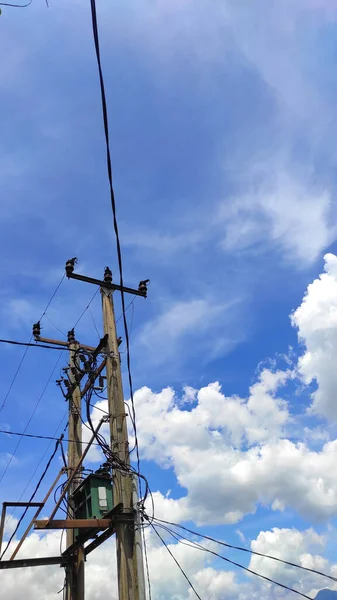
column 241, row 549
column 115, row 223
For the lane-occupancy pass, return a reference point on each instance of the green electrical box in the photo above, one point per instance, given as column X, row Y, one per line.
column 93, row 498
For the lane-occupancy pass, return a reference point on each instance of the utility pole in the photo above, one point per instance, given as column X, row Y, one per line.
column 75, row 572
column 75, row 589
column 131, row 585
column 127, row 566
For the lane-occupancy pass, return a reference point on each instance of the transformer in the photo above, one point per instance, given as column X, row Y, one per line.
column 93, row 497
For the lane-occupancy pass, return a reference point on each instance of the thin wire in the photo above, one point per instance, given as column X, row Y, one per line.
column 30, row 418
column 207, row 537
column 115, row 223
column 128, row 306
column 15, row 374
column 200, row 547
column 54, row 325
column 86, row 308
column 146, row 563
column 32, row 496
column 54, row 293
column 177, row 563
column 30, row 345
column 93, row 320
column 42, row 437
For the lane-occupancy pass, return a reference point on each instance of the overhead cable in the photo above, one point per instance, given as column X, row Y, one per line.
column 33, row 494
column 177, row 563
column 232, row 562
column 248, row 550
column 113, row 206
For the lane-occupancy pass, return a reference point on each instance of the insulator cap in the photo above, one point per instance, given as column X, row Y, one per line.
column 107, row 275
column 37, row 330
column 142, row 288
column 70, row 266
column 71, row 336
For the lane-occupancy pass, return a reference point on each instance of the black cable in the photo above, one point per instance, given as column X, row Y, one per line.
column 203, row 548
column 16, row 372
column 207, row 537
column 30, row 419
column 41, row 460
column 16, row 5
column 86, row 308
column 113, row 205
column 39, row 437
column 177, row 563
column 30, row 345
column 146, row 563
column 33, row 495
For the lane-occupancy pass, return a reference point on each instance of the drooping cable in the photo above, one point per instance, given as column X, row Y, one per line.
column 146, row 563
column 247, row 550
column 115, row 223
column 33, row 495
column 37, row 436
column 228, row 560
column 30, row 419
column 29, row 343
column 177, row 563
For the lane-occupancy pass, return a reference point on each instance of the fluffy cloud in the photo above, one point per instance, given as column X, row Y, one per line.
column 167, row 583
column 281, row 209
column 316, row 320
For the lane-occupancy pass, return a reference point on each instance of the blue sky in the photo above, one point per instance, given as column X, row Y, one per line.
column 223, row 124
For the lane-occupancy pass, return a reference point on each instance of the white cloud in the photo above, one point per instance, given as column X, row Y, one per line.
column 316, row 321
column 284, row 210
column 192, row 323
column 301, row 547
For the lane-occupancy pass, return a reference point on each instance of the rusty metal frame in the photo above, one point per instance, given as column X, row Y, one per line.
column 3, row 514
column 41, row 506
column 75, row 471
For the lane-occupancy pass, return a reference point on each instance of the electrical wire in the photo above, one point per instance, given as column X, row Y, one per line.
column 33, row 495
column 39, row 437
column 247, row 550
column 86, row 308
column 30, row 418
column 177, row 563
column 16, row 5
column 203, row 548
column 54, row 325
column 115, row 223
column 16, row 372
column 30, row 345
column 94, row 324
column 146, row 563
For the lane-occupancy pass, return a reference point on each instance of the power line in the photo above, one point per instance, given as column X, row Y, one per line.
column 40, row 437
column 228, row 560
column 86, row 308
column 177, row 563
column 30, row 418
column 115, row 224
column 33, row 494
column 16, row 5
column 241, row 549
column 146, row 563
column 29, row 343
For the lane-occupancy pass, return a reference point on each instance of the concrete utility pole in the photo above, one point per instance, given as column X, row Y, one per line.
column 75, row 573
column 131, row 584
